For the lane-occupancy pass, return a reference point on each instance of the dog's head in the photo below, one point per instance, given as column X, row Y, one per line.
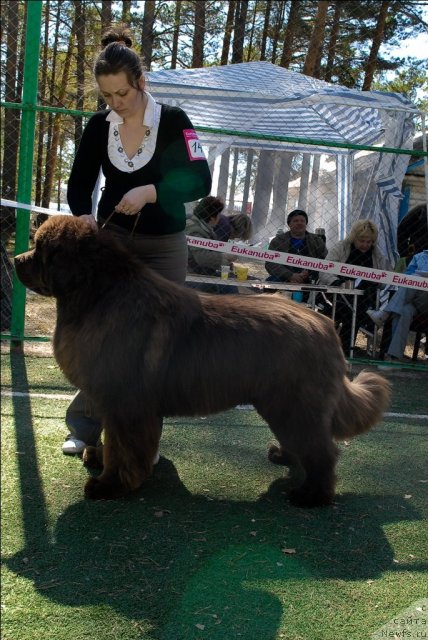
column 60, row 261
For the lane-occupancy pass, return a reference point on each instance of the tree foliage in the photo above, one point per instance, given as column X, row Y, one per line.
column 341, row 41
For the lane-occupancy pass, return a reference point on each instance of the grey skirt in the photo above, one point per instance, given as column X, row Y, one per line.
column 165, row 254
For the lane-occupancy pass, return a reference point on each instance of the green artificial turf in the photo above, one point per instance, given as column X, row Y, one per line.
column 209, row 548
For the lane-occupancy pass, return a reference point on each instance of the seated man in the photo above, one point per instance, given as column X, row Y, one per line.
column 299, row 241
column 404, row 305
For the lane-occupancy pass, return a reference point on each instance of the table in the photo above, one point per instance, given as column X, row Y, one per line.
column 263, row 285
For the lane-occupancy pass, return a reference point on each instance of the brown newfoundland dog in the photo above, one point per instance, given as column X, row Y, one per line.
column 143, row 348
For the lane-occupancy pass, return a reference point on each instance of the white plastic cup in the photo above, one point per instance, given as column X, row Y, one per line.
column 225, row 271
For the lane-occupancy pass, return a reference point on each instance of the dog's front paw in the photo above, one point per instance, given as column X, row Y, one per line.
column 93, row 457
column 98, row 490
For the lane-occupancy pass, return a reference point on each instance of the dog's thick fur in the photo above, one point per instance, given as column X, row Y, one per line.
column 142, row 348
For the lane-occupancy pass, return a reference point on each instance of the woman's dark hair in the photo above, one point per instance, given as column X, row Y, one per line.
column 208, row 208
column 118, row 56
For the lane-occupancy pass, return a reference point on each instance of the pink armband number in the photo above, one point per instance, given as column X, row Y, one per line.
column 194, row 147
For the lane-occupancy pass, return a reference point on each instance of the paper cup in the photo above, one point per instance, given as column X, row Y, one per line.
column 225, row 271
column 241, row 272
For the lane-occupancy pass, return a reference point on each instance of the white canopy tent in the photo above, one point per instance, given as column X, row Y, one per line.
column 298, row 126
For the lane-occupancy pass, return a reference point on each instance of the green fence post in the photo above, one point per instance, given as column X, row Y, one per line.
column 26, row 154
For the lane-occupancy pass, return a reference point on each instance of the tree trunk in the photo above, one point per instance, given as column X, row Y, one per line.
column 51, row 157
column 10, row 159
column 106, row 13
column 280, row 189
column 313, row 57
column 126, row 11
column 290, row 32
column 265, row 30
column 106, row 19
column 263, row 191
column 223, row 177
column 304, row 182
column 176, row 34
column 198, row 35
column 11, row 119
column 313, row 201
column 79, row 13
column 42, row 116
column 333, row 42
column 59, row 170
column 233, row 179
column 52, row 101
column 239, row 31
column 377, row 41
column 253, row 29
column 247, row 182
column 277, row 30
column 148, row 33
column 228, row 32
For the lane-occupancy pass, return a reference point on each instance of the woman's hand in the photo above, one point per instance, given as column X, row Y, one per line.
column 135, row 199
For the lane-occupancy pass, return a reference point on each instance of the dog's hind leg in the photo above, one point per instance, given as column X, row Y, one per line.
column 318, row 461
column 305, row 445
column 128, row 456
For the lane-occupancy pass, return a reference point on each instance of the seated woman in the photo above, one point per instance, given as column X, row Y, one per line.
column 358, row 248
column 404, row 305
column 205, row 262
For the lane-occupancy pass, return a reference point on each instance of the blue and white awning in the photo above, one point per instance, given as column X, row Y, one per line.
column 260, row 98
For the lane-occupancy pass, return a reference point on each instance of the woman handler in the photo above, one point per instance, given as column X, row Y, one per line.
column 153, row 163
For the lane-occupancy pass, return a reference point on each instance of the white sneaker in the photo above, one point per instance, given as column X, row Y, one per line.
column 73, row 446
column 378, row 317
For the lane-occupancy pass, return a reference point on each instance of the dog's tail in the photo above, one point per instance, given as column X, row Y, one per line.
column 361, row 406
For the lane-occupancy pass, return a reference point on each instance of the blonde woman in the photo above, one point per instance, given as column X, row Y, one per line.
column 358, row 248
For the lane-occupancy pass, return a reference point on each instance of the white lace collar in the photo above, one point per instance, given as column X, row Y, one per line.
column 116, row 152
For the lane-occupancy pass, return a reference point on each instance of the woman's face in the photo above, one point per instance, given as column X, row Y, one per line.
column 363, row 243
column 120, row 95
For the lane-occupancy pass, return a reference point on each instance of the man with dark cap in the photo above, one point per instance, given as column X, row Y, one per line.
column 297, row 241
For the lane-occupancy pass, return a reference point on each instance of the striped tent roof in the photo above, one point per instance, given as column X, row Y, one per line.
column 261, row 99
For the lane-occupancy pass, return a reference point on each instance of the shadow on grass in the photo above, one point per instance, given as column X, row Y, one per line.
column 31, row 485
column 184, row 562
